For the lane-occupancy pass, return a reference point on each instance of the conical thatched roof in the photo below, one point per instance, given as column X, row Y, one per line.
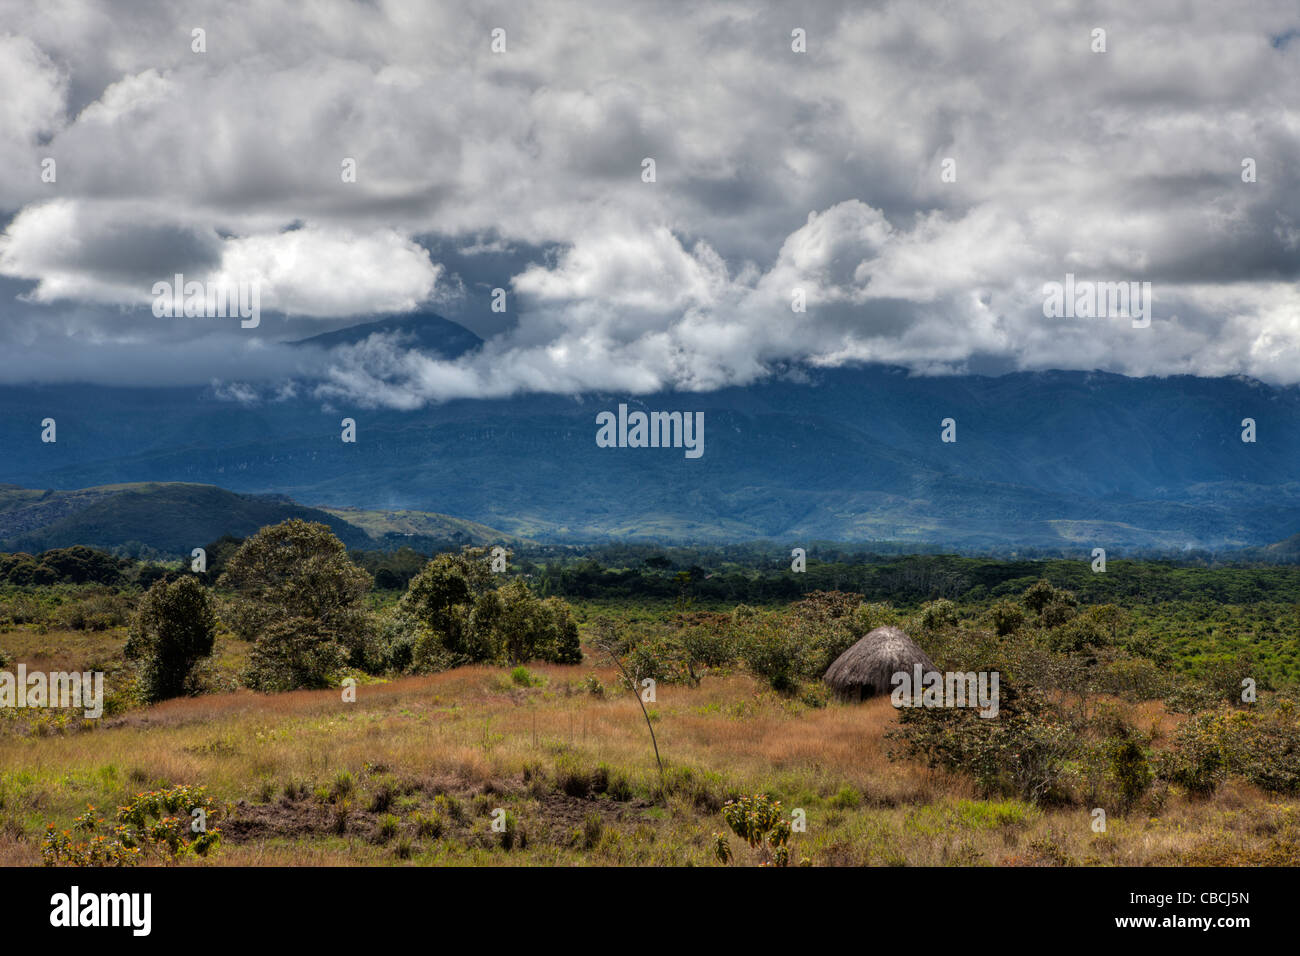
column 867, row 668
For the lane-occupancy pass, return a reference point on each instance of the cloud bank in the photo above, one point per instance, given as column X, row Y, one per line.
column 913, row 179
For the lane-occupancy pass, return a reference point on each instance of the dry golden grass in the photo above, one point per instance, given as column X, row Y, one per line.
column 471, row 737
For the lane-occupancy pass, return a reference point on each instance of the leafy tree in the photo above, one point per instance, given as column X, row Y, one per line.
column 302, row 600
column 174, row 629
column 939, row 614
column 1039, row 595
column 467, row 618
column 525, row 628
column 1109, row 618
column 80, row 565
column 219, row 553
column 442, row 598
column 294, row 653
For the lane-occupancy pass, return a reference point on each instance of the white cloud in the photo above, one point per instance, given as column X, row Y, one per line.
column 775, row 170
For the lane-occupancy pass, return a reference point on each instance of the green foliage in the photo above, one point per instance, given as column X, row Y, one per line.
column 1007, row 617
column 522, row 677
column 1199, row 762
column 759, row 821
column 1262, row 747
column 75, row 565
column 938, row 615
column 464, row 617
column 1022, row 752
column 775, row 653
column 442, row 598
column 159, row 825
column 295, row 653
column 302, row 601
column 789, row 649
column 173, row 631
column 1128, row 764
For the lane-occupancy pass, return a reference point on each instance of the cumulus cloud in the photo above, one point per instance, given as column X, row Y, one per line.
column 776, row 171
column 92, row 252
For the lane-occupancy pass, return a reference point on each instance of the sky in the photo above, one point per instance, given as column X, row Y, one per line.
column 917, row 172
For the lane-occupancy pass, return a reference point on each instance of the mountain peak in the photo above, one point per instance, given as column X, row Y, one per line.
column 426, row 331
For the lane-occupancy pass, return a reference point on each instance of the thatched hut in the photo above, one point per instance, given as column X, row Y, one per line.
column 867, row 668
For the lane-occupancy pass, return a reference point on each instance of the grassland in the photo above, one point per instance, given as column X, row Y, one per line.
column 412, row 772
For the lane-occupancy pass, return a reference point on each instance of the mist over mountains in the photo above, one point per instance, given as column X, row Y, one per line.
column 1046, row 459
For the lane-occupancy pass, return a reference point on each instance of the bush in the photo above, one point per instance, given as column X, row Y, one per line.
column 1261, row 747
column 775, row 653
column 1197, row 763
column 1129, row 768
column 759, row 821
column 1007, row 616
column 1071, row 635
column 174, row 629
column 657, row 658
column 522, row 677
column 465, row 618
column 393, row 647
column 1134, row 678
column 938, row 615
column 94, row 610
column 1023, row 752
column 157, row 825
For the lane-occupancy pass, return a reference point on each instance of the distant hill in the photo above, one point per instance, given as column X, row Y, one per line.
column 169, row 517
column 1057, row 460
column 175, row 517
column 422, row 530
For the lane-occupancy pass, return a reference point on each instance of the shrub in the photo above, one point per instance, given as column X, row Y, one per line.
column 760, row 822
column 1261, row 747
column 1058, row 612
column 1135, row 678
column 1226, row 676
column 846, row 799
column 173, row 631
column 657, row 658
column 1070, row 635
column 1129, row 768
column 158, row 824
column 1022, row 752
column 1007, row 616
column 937, row 615
column 1039, row 595
column 773, row 652
column 1198, row 762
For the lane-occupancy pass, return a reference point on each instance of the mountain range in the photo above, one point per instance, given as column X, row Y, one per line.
column 1056, row 459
